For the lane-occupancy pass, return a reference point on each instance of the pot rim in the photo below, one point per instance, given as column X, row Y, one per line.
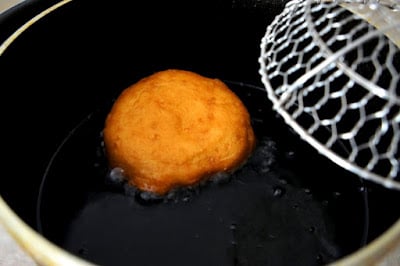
column 45, row 252
column 42, row 251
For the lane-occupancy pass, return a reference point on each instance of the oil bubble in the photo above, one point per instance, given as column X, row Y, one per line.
column 290, row 155
column 336, row 194
column 283, row 181
column 264, row 156
column 278, row 192
column 220, row 178
column 183, row 194
column 170, row 195
column 233, row 227
column 116, row 175
column 186, row 199
column 147, row 198
column 307, row 191
column 130, row 190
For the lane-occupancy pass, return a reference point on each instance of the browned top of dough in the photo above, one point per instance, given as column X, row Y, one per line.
column 176, row 128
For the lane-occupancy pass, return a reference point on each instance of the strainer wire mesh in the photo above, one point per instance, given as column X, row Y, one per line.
column 334, row 78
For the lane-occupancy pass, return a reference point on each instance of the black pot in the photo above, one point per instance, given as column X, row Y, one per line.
column 60, row 74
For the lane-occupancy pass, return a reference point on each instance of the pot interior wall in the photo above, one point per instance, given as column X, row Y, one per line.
column 73, row 61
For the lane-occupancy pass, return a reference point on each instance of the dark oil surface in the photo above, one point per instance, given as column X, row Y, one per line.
column 285, row 206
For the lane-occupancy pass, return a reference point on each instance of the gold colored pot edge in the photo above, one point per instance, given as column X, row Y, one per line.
column 42, row 251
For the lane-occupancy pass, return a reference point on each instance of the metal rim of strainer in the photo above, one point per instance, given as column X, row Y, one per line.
column 280, row 96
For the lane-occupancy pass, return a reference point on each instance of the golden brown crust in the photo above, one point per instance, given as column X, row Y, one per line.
column 176, row 128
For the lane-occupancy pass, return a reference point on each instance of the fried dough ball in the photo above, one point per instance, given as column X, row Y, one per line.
column 176, row 128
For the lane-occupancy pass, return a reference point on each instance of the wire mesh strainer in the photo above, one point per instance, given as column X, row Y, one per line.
column 332, row 72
